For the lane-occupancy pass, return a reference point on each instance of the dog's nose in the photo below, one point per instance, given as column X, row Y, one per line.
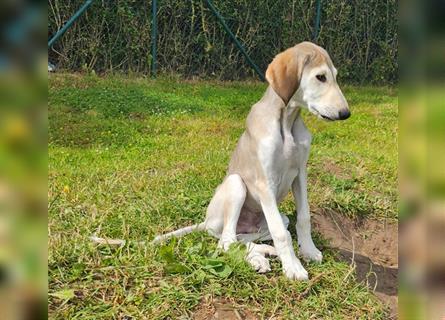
column 344, row 114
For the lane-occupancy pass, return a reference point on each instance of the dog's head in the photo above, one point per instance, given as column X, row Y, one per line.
column 304, row 75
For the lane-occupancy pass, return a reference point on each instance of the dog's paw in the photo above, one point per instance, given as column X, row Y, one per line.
column 225, row 242
column 310, row 253
column 258, row 262
column 295, row 271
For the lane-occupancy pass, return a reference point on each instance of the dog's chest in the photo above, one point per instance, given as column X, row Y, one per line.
column 288, row 157
column 282, row 155
column 291, row 161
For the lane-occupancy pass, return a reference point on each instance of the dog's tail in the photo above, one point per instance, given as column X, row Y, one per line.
column 157, row 239
column 180, row 232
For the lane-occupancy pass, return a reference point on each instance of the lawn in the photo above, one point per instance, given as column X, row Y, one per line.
column 130, row 158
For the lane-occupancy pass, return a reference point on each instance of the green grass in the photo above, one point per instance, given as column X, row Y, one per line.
column 130, row 158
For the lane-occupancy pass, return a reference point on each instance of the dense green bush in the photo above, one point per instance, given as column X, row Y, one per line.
column 114, row 35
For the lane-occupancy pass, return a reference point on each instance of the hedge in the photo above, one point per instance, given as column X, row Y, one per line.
column 115, row 36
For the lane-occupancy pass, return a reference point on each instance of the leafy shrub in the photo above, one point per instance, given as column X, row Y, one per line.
column 115, row 35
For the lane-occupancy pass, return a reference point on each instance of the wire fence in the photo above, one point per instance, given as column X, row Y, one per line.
column 115, row 36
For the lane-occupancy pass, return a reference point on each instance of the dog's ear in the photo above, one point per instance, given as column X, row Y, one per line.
column 285, row 70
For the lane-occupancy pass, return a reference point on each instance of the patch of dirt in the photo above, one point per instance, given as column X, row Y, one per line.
column 335, row 169
column 371, row 244
column 221, row 310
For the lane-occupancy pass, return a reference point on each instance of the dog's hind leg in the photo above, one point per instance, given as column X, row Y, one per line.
column 256, row 256
column 256, row 253
column 224, row 210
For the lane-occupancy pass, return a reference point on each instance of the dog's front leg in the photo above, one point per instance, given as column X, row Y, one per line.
column 306, row 246
column 282, row 240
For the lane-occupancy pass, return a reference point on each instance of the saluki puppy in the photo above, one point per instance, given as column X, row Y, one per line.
column 270, row 159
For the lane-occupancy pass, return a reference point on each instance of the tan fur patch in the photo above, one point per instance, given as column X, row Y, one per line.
column 283, row 74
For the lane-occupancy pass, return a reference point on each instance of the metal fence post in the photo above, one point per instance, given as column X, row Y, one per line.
column 154, row 37
column 69, row 22
column 317, row 20
column 234, row 39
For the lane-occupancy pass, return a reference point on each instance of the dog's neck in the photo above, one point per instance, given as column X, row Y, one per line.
column 288, row 115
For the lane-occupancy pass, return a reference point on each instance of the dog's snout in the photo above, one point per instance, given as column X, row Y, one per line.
column 344, row 114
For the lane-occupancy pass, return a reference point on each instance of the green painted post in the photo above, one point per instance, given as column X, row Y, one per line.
column 317, row 20
column 69, row 23
column 154, row 37
column 234, row 39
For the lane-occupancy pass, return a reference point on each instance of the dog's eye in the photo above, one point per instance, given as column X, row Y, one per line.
column 321, row 77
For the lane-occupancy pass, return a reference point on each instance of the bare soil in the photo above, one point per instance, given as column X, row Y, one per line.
column 372, row 245
column 221, row 309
